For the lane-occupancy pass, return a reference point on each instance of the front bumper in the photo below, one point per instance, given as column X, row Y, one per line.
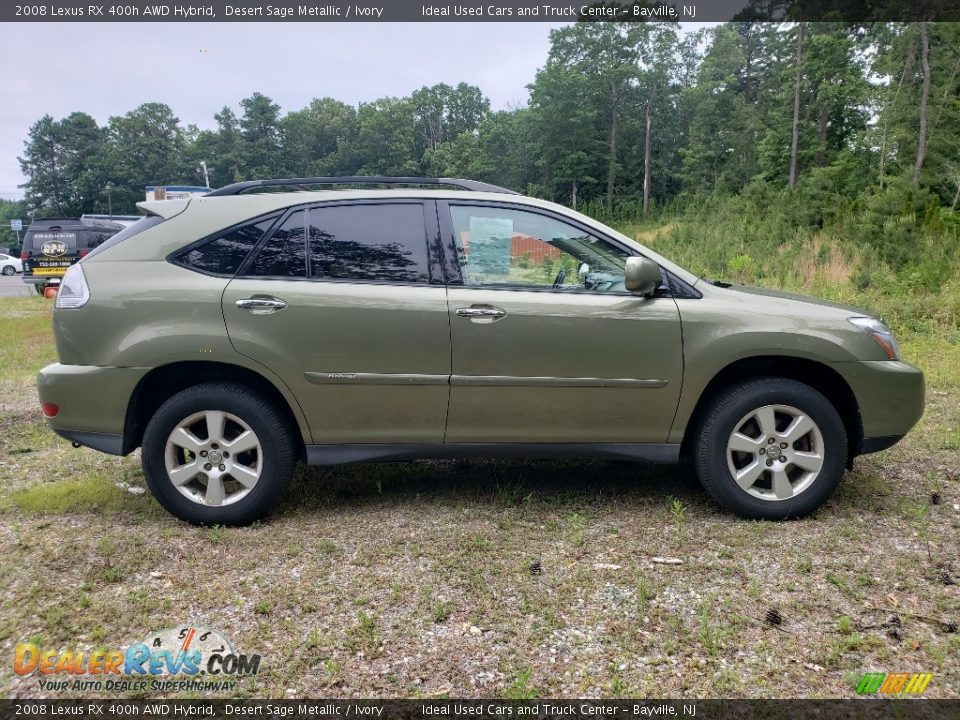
column 890, row 394
column 92, row 402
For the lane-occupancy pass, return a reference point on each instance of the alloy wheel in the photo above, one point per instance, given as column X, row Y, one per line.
column 213, row 458
column 775, row 452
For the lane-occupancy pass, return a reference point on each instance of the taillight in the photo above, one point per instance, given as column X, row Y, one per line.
column 84, row 251
column 49, row 409
column 73, row 292
column 24, row 255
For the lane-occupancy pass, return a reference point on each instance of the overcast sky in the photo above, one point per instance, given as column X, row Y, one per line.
column 110, row 68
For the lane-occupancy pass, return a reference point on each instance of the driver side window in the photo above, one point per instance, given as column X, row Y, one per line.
column 501, row 247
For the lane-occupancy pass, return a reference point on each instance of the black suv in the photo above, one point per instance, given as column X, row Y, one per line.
column 52, row 245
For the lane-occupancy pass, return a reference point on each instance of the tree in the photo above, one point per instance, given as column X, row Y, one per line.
column 720, row 153
column 924, row 98
column 57, row 162
column 660, row 68
column 795, row 126
column 145, row 147
column 502, row 151
column 386, row 142
column 228, row 161
column 319, row 139
column 607, row 54
column 441, row 113
column 564, row 114
column 260, row 137
column 11, row 210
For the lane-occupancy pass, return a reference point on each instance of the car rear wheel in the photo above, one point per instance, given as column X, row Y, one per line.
column 218, row 454
column 9, row 270
column 771, row 449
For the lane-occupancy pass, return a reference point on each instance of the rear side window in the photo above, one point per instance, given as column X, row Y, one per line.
column 284, row 255
column 96, row 238
column 224, row 254
column 373, row 243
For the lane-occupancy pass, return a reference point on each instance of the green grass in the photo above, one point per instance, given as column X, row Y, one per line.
column 93, row 493
column 25, row 338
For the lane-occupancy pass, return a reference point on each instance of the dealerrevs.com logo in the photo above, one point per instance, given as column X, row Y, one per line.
column 178, row 659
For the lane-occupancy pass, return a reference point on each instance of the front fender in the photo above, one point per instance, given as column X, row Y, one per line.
column 718, row 334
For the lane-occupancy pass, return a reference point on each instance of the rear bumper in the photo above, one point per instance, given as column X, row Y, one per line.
column 890, row 395
column 92, row 403
column 104, row 442
column 872, row 445
column 42, row 280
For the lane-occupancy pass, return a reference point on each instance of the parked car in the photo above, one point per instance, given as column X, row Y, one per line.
column 10, row 265
column 234, row 334
column 52, row 245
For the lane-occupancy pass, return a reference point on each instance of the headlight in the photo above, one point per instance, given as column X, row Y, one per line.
column 73, row 292
column 879, row 332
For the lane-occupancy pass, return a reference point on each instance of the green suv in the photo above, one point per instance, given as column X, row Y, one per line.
column 268, row 322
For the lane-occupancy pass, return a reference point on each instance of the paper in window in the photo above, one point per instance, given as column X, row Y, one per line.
column 490, row 245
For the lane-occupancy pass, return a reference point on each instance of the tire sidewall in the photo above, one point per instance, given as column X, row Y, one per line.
column 9, row 270
column 711, row 453
column 276, row 453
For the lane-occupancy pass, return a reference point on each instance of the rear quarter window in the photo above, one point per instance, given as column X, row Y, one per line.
column 225, row 253
column 128, row 232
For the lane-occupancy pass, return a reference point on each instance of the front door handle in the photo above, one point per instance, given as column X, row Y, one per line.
column 261, row 305
column 481, row 313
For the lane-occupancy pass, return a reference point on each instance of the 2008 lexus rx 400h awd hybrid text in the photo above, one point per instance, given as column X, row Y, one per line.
column 268, row 322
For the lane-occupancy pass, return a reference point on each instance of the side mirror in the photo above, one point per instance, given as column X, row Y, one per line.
column 641, row 276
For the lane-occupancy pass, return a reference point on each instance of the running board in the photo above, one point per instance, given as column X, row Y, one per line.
column 393, row 452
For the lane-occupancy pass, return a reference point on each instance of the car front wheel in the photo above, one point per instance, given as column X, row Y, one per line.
column 218, row 454
column 771, row 448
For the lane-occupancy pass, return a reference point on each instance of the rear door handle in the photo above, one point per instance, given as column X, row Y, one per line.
column 481, row 313
column 261, row 305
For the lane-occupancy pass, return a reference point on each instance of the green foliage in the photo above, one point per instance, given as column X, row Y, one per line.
column 58, row 159
column 617, row 110
column 11, row 210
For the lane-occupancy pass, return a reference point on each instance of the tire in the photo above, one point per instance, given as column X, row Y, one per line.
column 39, row 288
column 792, row 484
column 9, row 270
column 244, row 486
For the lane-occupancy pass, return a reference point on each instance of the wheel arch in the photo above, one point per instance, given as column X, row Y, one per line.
column 163, row 382
column 820, row 376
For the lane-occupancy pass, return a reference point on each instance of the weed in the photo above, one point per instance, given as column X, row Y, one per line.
column 442, row 610
column 679, row 512
column 512, row 495
column 645, row 592
column 520, row 687
column 844, row 625
column 216, row 534
column 365, row 635
column 575, row 522
column 328, row 547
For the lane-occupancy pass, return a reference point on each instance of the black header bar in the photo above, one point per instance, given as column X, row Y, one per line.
column 850, row 11
column 481, row 709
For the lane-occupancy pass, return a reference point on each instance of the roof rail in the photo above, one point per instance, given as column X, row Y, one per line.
column 302, row 183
